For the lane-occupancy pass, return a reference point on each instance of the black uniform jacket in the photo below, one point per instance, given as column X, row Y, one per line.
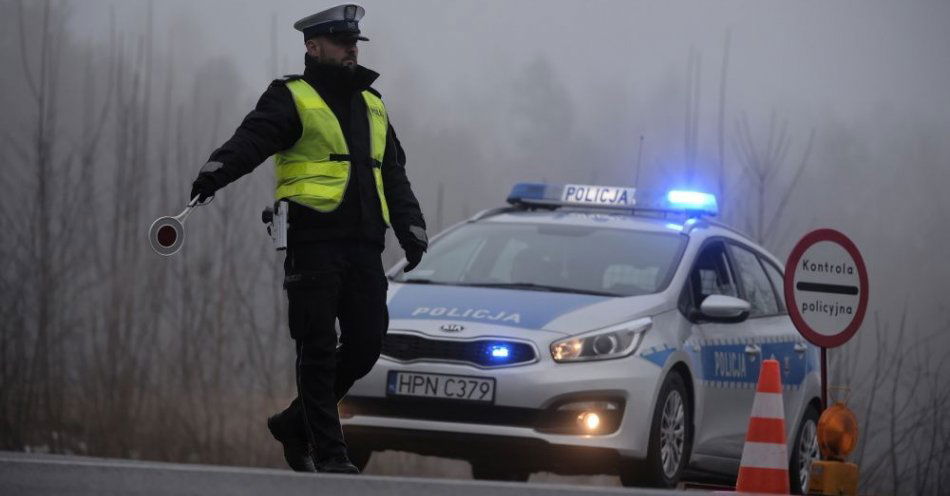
column 274, row 125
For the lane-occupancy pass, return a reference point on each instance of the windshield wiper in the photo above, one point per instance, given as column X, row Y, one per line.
column 510, row 285
column 415, row 280
column 421, row 280
column 537, row 287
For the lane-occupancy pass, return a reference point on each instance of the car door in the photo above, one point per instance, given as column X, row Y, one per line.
column 762, row 283
column 773, row 331
column 727, row 358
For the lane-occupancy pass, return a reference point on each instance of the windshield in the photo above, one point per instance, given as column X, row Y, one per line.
column 577, row 259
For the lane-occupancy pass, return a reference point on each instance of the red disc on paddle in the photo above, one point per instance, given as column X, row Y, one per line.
column 167, row 235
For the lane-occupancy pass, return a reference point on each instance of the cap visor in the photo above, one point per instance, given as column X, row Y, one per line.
column 347, row 36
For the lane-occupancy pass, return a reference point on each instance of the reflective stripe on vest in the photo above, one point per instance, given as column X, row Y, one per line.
column 315, row 171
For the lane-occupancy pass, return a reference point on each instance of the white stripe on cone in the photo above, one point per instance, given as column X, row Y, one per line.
column 768, row 405
column 764, row 455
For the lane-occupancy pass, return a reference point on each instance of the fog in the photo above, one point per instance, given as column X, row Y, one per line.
column 853, row 94
column 562, row 91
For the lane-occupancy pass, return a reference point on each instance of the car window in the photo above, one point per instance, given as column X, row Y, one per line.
column 620, row 274
column 504, row 261
column 711, row 274
column 456, row 254
column 777, row 282
column 756, row 285
column 590, row 259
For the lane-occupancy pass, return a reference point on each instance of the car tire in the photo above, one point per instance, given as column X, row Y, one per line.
column 497, row 472
column 804, row 451
column 671, row 439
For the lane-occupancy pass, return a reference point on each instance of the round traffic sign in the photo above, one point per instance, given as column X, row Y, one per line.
column 826, row 288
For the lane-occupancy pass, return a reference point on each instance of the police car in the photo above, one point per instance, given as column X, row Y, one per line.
column 586, row 329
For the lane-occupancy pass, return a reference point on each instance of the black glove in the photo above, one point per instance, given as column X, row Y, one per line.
column 203, row 187
column 413, row 256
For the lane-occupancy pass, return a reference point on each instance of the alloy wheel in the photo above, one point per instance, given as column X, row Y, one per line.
column 672, row 433
column 807, row 452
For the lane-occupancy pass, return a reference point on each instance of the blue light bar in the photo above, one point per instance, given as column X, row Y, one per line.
column 693, row 201
column 534, row 193
column 528, row 191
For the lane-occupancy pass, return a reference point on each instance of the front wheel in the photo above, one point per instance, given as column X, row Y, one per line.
column 671, row 438
column 804, row 451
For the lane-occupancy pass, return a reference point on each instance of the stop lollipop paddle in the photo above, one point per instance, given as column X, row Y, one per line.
column 167, row 234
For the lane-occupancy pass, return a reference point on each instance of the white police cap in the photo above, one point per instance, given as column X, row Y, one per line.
column 339, row 20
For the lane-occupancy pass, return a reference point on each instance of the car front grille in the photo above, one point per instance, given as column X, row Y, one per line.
column 410, row 347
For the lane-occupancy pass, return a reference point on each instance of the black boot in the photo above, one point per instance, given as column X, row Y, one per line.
column 336, row 465
column 297, row 450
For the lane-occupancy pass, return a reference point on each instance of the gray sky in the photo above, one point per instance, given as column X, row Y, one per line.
column 841, row 56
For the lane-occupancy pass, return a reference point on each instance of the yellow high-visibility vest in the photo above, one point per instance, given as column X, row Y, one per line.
column 315, row 171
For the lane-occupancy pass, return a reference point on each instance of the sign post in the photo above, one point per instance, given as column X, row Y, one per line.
column 826, row 292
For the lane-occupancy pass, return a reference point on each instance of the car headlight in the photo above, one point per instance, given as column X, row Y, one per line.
column 615, row 341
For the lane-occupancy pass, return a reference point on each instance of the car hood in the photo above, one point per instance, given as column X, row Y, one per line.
column 563, row 313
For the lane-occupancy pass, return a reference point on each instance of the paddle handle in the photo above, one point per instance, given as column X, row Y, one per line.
column 187, row 211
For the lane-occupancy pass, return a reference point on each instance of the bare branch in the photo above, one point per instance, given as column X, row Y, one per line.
column 780, row 209
column 722, row 115
column 895, row 466
column 31, row 84
column 22, row 154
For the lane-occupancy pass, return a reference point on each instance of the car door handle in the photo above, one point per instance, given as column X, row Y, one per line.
column 800, row 348
column 753, row 349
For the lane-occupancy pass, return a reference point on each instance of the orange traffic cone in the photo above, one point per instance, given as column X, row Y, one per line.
column 764, row 465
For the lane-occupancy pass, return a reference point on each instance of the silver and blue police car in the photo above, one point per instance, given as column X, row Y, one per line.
column 584, row 329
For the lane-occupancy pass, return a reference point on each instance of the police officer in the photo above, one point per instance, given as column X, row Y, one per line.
column 341, row 167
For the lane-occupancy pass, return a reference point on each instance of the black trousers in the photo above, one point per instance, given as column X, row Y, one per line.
column 328, row 281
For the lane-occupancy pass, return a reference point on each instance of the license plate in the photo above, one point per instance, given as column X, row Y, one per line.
column 444, row 386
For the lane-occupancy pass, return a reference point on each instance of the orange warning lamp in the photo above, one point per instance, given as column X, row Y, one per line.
column 837, row 437
column 837, row 432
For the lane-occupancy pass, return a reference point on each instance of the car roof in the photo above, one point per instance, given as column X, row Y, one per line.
column 587, row 218
column 700, row 228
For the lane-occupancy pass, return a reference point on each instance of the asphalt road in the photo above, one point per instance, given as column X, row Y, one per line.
column 30, row 474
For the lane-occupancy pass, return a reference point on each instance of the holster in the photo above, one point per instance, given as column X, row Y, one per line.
column 276, row 220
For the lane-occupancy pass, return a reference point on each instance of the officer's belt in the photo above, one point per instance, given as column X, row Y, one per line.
column 336, row 157
column 320, row 235
column 313, row 235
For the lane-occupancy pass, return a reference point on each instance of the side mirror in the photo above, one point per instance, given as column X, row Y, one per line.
column 723, row 309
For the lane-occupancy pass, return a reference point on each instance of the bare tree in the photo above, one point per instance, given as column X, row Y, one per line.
column 691, row 122
column 763, row 168
column 899, row 396
column 721, row 120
